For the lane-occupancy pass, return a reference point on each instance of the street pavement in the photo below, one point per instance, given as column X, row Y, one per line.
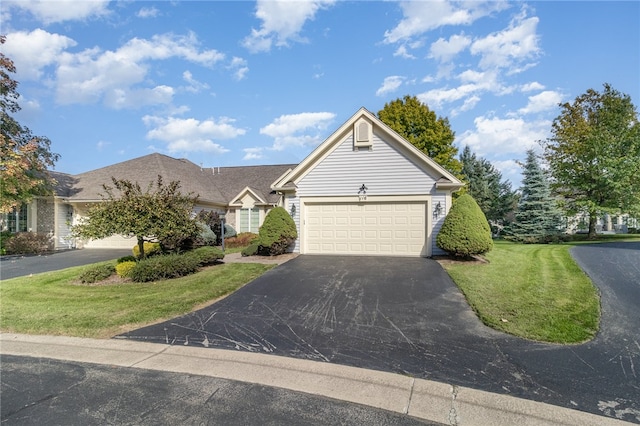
column 18, row 265
column 124, row 382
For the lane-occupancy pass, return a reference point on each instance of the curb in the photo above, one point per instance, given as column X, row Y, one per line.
column 424, row 399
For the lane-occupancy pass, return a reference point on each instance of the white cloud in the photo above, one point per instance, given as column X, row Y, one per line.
column 390, row 85
column 253, row 154
column 493, row 135
column 301, row 129
column 239, row 68
column 49, row 12
column 148, row 12
column 530, row 87
column 438, row 97
column 282, row 21
column 402, row 52
column 543, row 101
column 422, row 16
column 189, row 134
column 32, row 51
column 516, row 44
column 194, row 86
column 445, row 50
column 468, row 104
column 93, row 75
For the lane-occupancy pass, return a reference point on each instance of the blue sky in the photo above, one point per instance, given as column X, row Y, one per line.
column 242, row 83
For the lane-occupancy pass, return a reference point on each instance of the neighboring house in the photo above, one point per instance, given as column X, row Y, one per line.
column 364, row 191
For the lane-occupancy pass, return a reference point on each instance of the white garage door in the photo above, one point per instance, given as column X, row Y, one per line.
column 397, row 229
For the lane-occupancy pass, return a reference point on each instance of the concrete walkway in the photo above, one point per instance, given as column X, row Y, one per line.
column 423, row 399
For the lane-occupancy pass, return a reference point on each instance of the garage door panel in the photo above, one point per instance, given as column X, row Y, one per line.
column 367, row 228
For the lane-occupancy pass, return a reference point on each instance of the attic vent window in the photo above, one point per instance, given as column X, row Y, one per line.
column 362, row 134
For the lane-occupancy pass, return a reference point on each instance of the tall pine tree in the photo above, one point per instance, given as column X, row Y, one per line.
column 484, row 183
column 537, row 217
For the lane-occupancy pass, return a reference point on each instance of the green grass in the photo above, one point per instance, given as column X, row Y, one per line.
column 55, row 303
column 533, row 291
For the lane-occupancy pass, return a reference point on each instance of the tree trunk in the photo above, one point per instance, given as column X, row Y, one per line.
column 593, row 218
column 141, row 247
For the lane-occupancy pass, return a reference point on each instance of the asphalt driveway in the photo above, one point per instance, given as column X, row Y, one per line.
column 405, row 315
column 18, row 266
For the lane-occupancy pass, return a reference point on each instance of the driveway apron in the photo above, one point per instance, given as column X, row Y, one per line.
column 403, row 315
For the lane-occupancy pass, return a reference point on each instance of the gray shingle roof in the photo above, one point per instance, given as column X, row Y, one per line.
column 215, row 186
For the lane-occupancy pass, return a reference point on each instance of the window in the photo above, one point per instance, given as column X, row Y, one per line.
column 16, row 220
column 249, row 220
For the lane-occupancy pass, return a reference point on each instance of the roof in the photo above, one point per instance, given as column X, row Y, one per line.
column 289, row 180
column 212, row 185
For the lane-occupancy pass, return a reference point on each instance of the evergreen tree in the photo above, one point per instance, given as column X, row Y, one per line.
column 484, row 183
column 537, row 217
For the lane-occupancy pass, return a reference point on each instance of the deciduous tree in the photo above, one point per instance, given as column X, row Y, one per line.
column 159, row 213
column 594, row 154
column 24, row 158
column 432, row 135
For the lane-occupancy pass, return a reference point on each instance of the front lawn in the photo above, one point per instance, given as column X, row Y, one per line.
column 56, row 303
column 535, row 291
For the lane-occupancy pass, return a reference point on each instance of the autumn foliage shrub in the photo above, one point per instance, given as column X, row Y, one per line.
column 27, row 243
column 243, row 239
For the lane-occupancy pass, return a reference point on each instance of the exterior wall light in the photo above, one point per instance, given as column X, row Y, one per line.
column 292, row 211
column 437, row 210
column 362, row 193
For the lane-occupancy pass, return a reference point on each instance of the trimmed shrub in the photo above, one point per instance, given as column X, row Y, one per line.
column 27, row 243
column 126, row 259
column 465, row 231
column 206, row 255
column 277, row 232
column 123, row 269
column 150, row 249
column 97, row 273
column 243, row 239
column 229, row 231
column 251, row 249
column 163, row 267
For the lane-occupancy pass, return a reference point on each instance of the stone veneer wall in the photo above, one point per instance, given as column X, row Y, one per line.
column 46, row 218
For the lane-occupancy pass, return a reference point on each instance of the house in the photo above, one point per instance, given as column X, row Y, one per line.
column 364, row 191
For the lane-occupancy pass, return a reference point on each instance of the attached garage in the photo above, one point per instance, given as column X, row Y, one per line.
column 372, row 228
column 367, row 191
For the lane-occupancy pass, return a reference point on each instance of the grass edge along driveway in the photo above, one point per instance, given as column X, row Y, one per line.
column 534, row 291
column 56, row 303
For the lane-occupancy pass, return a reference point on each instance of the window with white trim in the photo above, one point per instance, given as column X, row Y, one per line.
column 249, row 220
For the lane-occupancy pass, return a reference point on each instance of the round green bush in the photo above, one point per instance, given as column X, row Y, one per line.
column 277, row 232
column 206, row 255
column 251, row 249
column 164, row 267
column 97, row 273
column 465, row 231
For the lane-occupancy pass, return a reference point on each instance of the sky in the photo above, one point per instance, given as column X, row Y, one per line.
column 265, row 82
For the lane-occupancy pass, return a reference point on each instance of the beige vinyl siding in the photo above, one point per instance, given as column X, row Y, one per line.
column 383, row 170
